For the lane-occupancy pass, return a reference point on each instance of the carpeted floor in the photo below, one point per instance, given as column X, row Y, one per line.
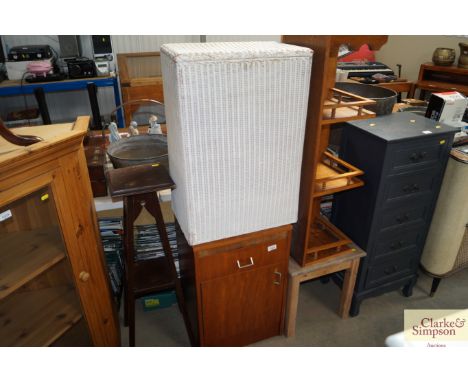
column 318, row 323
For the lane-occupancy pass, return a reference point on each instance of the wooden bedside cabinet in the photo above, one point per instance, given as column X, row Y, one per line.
column 235, row 288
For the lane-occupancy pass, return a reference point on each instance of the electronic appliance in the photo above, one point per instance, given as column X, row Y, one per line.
column 16, row 70
column 102, row 48
column 30, row 52
column 70, row 46
column 81, row 68
column 102, row 68
column 367, row 69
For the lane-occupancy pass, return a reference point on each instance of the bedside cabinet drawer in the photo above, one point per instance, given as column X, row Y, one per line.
column 393, row 269
column 243, row 256
column 413, row 156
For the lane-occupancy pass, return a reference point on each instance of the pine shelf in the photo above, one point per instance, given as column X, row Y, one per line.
column 325, row 241
column 27, row 254
column 26, row 319
column 335, row 175
column 342, row 106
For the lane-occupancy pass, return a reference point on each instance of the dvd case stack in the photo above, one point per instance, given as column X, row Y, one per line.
column 147, row 246
column 111, row 236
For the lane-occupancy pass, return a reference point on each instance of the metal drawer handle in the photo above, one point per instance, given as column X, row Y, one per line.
column 246, row 265
column 278, row 281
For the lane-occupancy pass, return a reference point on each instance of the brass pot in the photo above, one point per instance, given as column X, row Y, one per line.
column 463, row 59
column 443, row 56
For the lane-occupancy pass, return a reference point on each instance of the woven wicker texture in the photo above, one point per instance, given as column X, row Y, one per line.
column 448, row 225
column 462, row 257
column 236, row 118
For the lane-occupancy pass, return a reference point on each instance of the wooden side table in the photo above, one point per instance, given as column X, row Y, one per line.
column 435, row 78
column 298, row 274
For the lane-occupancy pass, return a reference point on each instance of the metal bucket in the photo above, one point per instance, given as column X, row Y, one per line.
column 139, row 149
column 385, row 98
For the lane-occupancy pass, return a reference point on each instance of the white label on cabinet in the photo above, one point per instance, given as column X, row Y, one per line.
column 272, row 247
column 5, row 215
column 426, row 132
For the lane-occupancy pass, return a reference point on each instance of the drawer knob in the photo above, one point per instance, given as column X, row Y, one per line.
column 397, row 245
column 422, row 154
column 415, row 187
column 245, row 265
column 402, row 218
column 390, row 270
column 84, row 276
column 414, row 157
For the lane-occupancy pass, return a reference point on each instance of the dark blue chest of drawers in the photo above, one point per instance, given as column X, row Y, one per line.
column 403, row 157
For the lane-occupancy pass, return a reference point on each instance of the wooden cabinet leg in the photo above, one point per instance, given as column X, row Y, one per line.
column 291, row 307
column 348, row 288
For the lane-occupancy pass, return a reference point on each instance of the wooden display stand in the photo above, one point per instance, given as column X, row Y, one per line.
column 140, row 78
column 235, row 288
column 437, row 78
column 54, row 288
column 315, row 238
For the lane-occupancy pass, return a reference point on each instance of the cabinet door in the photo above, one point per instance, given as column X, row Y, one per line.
column 39, row 305
column 243, row 308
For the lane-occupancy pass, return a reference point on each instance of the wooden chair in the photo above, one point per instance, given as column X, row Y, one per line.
column 138, row 186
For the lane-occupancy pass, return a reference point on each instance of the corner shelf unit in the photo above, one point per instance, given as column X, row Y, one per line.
column 315, row 238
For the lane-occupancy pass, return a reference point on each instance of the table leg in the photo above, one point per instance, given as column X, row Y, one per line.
column 348, row 288
column 120, row 119
column 42, row 103
column 291, row 306
column 93, row 100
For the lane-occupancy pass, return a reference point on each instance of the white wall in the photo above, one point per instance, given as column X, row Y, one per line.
column 66, row 106
column 412, row 51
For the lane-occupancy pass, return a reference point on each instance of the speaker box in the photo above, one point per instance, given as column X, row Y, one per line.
column 70, row 46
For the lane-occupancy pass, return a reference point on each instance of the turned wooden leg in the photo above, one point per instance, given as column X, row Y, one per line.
column 435, row 285
column 291, row 306
column 348, row 288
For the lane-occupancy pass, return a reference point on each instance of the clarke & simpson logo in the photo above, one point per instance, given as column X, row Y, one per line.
column 436, row 326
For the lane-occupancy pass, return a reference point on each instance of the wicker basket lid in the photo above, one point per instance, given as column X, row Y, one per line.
column 214, row 51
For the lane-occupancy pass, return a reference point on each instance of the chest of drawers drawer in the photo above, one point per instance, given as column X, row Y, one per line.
column 397, row 267
column 411, row 186
column 411, row 156
column 391, row 243
column 405, row 215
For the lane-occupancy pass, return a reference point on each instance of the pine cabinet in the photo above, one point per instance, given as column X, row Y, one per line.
column 54, row 288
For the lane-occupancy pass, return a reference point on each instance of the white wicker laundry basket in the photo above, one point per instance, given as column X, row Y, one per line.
column 236, row 116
